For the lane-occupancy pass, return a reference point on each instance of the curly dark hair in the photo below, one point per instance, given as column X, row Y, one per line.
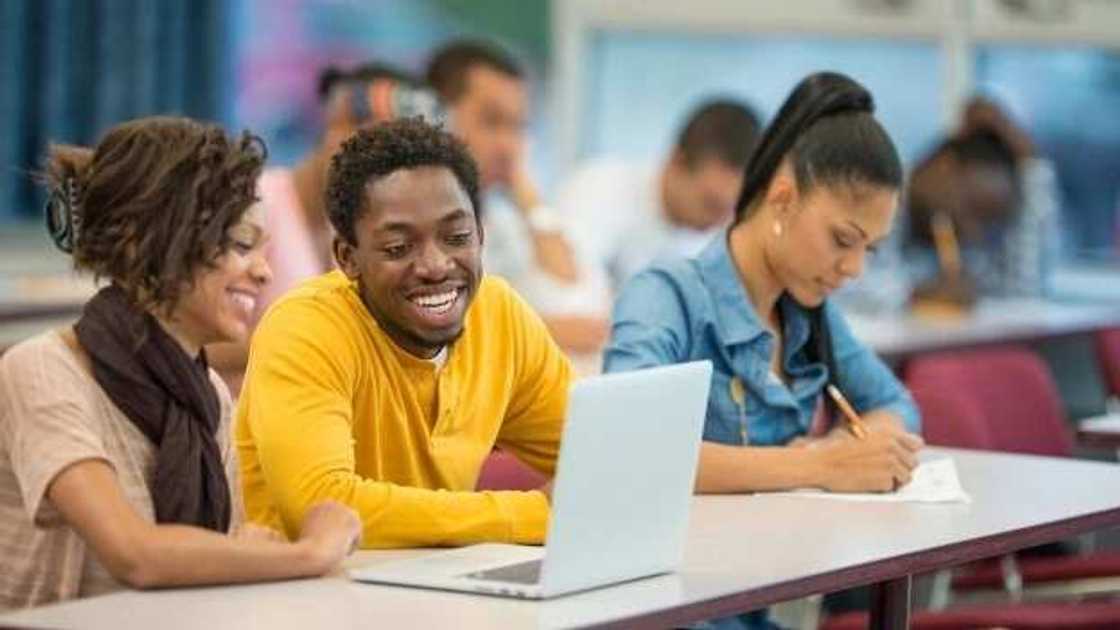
column 153, row 201
column 383, row 149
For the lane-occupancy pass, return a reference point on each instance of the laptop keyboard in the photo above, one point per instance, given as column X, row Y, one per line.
column 520, row 573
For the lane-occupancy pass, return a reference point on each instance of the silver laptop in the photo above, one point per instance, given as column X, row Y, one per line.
column 620, row 500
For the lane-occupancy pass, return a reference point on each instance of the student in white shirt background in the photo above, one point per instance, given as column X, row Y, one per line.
column 486, row 94
column 621, row 216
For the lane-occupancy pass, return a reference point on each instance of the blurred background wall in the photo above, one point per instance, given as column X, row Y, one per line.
column 610, row 78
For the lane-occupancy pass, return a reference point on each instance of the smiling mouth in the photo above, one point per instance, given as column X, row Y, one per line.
column 245, row 301
column 437, row 303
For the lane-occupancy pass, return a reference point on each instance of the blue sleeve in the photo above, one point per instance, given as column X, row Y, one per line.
column 649, row 325
column 864, row 378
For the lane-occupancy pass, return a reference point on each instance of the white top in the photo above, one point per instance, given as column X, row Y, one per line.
column 617, row 221
column 440, row 359
column 757, row 547
column 507, row 251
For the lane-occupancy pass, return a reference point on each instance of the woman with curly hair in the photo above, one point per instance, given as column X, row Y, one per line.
column 115, row 457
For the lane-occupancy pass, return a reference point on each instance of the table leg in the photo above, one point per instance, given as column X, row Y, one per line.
column 890, row 604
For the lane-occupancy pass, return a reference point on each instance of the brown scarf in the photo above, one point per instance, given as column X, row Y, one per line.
column 169, row 397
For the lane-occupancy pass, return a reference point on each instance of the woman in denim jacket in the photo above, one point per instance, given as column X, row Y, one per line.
column 820, row 191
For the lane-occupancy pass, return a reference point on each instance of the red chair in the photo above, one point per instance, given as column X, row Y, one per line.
column 950, row 418
column 503, row 471
column 1108, row 355
column 1042, row 576
column 1013, row 390
column 1049, row 616
column 1009, row 391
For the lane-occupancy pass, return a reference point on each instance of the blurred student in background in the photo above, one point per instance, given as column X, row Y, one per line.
column 623, row 216
column 998, row 198
column 819, row 191
column 487, row 96
column 1001, row 198
column 115, row 459
column 300, row 247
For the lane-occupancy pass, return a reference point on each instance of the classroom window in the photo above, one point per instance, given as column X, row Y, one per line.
column 641, row 85
column 1068, row 99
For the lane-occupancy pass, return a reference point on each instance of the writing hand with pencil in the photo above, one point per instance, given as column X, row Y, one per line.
column 857, row 425
column 876, row 420
column 878, row 456
column 853, row 422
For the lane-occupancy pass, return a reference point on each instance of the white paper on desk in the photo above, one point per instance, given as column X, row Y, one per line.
column 931, row 482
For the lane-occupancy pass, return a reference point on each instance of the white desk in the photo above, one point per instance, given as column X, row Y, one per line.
column 1083, row 298
column 1087, row 282
column 1102, row 431
column 743, row 552
column 993, row 321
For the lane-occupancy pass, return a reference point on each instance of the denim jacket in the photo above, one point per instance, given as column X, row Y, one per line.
column 698, row 308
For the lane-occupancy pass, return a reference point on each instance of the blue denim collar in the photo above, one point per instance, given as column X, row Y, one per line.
column 737, row 317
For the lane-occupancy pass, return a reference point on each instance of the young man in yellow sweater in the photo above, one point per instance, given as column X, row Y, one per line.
column 385, row 385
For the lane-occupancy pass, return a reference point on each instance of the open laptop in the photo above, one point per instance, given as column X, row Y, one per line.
column 620, row 500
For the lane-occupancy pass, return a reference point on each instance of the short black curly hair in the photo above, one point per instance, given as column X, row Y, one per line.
column 383, row 149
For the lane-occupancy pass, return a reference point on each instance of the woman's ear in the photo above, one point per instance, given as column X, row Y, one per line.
column 781, row 194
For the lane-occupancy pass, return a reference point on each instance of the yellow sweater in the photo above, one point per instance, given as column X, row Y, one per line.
column 332, row 409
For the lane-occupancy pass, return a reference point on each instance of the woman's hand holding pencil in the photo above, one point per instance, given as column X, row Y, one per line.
column 855, row 424
column 879, row 459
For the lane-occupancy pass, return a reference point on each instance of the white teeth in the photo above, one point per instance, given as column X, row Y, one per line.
column 439, row 302
column 244, row 301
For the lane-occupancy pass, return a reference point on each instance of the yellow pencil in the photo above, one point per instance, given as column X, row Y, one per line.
column 855, row 424
column 946, row 245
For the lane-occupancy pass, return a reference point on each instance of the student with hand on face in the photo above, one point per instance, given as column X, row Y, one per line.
column 115, row 460
column 487, row 97
column 820, row 190
column 385, row 385
column 624, row 216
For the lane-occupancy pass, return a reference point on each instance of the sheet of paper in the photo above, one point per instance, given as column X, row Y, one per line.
column 934, row 481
